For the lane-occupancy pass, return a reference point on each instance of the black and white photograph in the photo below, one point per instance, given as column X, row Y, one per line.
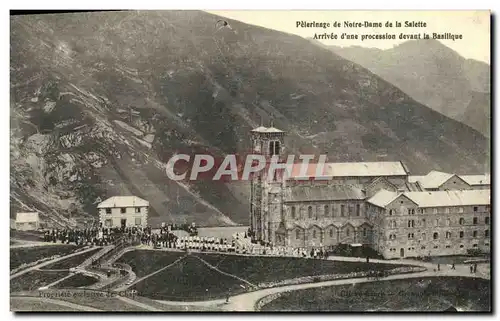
column 250, row 161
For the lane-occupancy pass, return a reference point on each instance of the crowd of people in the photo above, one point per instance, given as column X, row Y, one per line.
column 87, row 236
column 165, row 238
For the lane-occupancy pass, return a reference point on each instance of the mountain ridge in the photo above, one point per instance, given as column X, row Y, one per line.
column 430, row 72
column 101, row 101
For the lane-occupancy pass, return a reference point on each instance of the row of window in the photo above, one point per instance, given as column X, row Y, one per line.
column 423, row 247
column 447, row 210
column 123, row 210
column 347, row 233
column 351, row 211
column 448, row 235
column 109, row 222
column 422, row 222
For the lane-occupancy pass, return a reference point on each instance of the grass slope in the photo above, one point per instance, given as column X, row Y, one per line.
column 22, row 255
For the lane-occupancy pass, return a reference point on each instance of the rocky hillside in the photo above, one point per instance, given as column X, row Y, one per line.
column 101, row 101
column 432, row 74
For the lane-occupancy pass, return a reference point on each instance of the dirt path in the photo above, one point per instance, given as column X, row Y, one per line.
column 137, row 304
column 57, row 302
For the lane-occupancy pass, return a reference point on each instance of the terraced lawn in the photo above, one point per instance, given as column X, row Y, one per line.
column 22, row 255
column 189, row 280
column 418, row 294
column 144, row 262
column 192, row 280
column 75, row 281
column 70, row 262
column 35, row 279
column 259, row 269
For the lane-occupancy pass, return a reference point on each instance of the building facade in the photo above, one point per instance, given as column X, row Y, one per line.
column 416, row 224
column 29, row 221
column 295, row 211
column 123, row 211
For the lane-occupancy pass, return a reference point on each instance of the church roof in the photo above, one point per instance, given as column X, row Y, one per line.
column 350, row 169
column 322, row 193
column 123, row 201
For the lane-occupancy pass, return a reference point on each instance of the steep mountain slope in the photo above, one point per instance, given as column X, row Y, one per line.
column 101, row 101
column 429, row 72
column 477, row 114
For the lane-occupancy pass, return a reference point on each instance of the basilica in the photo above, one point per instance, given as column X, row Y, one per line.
column 378, row 204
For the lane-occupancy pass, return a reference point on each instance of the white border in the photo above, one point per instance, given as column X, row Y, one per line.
column 213, row 5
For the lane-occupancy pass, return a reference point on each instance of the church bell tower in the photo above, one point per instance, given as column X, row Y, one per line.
column 266, row 194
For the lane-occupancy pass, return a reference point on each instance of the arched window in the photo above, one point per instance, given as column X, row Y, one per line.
column 461, row 221
column 310, row 211
column 297, row 234
column 314, row 234
column 435, row 236
column 358, row 210
column 327, row 211
column 274, row 148
column 474, row 234
column 347, row 232
column 293, row 212
column 461, row 234
column 448, row 235
column 364, row 231
column 331, row 232
column 391, row 212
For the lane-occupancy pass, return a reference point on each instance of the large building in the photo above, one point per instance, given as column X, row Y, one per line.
column 123, row 211
column 430, row 223
column 295, row 211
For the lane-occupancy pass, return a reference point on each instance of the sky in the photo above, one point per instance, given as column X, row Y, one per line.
column 474, row 26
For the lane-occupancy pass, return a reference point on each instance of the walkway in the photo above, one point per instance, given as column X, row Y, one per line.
column 43, row 300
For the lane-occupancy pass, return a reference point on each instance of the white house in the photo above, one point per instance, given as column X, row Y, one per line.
column 29, row 221
column 123, row 211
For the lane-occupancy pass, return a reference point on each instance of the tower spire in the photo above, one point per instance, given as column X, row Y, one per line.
column 272, row 120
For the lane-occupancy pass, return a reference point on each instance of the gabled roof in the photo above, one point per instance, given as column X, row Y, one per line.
column 435, row 199
column 476, row 179
column 323, row 193
column 27, row 217
column 383, row 198
column 450, row 198
column 435, row 179
column 123, row 201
